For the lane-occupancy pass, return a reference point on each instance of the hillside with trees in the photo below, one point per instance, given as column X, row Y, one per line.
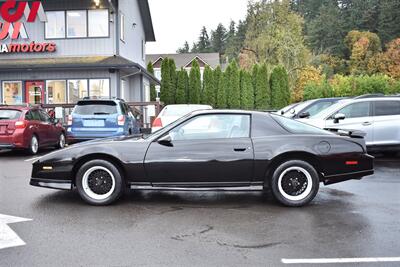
column 312, row 48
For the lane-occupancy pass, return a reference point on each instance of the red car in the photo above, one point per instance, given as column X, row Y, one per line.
column 30, row 128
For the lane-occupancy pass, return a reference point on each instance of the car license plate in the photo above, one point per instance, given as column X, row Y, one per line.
column 93, row 123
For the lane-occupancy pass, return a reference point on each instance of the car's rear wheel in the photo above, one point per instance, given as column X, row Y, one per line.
column 33, row 145
column 295, row 183
column 99, row 182
column 61, row 141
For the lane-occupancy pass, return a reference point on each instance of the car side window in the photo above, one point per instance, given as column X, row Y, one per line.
column 219, row 126
column 35, row 115
column 356, row 110
column 44, row 117
column 387, row 108
column 28, row 116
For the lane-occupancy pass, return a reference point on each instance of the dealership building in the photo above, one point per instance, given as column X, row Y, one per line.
column 61, row 51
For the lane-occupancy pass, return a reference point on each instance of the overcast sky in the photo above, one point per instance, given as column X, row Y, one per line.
column 175, row 21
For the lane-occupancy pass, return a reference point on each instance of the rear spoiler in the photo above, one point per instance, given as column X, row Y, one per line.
column 350, row 133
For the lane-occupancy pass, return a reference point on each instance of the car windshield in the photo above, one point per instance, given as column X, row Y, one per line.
column 297, row 127
column 96, row 108
column 328, row 111
column 318, row 107
column 9, row 114
column 179, row 111
column 294, row 110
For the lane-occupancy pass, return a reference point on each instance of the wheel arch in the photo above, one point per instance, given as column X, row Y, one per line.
column 293, row 155
column 98, row 156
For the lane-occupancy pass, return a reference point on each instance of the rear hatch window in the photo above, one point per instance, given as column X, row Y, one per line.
column 9, row 114
column 96, row 108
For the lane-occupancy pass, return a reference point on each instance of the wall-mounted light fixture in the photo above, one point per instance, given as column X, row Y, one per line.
column 97, row 3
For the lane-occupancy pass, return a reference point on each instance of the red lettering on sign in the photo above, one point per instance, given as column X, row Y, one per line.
column 8, row 6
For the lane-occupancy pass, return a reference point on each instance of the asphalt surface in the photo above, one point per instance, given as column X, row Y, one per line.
column 164, row 228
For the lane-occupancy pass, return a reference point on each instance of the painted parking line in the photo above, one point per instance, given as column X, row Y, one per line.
column 340, row 260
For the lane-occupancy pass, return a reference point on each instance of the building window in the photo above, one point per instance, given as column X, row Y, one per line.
column 122, row 27
column 99, row 88
column 55, row 25
column 12, row 92
column 56, row 92
column 77, row 89
column 76, row 24
column 98, row 23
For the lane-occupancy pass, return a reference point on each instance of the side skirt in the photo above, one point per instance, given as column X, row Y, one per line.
column 199, row 186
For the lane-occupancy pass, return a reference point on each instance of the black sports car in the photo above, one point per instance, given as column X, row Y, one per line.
column 210, row 150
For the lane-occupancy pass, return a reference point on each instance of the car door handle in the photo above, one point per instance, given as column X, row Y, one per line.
column 240, row 149
column 367, row 123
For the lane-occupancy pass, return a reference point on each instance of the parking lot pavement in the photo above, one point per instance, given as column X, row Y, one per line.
column 355, row 219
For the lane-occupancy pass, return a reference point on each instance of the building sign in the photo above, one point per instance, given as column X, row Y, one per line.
column 12, row 12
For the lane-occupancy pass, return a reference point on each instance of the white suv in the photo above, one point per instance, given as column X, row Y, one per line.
column 378, row 117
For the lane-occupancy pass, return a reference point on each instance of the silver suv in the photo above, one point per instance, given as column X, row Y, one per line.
column 378, row 117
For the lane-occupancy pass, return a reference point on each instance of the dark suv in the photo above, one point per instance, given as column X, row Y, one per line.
column 29, row 127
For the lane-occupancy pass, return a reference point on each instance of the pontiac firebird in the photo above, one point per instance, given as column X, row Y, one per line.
column 210, row 150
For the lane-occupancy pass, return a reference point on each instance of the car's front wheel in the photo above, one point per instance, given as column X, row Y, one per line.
column 99, row 182
column 295, row 183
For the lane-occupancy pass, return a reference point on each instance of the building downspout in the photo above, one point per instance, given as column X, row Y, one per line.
column 116, row 24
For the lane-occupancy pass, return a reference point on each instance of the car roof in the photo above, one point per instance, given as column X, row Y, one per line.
column 21, row 107
column 227, row 111
column 347, row 101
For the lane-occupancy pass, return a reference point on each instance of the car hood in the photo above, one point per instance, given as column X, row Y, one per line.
column 104, row 143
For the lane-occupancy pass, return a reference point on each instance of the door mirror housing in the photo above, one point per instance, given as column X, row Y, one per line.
column 338, row 117
column 304, row 115
column 166, row 140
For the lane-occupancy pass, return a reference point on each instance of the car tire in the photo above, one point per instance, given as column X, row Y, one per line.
column 99, row 183
column 33, row 145
column 295, row 183
column 61, row 141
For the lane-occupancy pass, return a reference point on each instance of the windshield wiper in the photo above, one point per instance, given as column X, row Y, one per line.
column 101, row 113
column 4, row 118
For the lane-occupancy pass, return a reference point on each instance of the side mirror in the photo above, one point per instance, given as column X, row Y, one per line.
column 165, row 140
column 304, row 115
column 338, row 117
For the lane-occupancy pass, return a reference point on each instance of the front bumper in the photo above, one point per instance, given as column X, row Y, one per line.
column 53, row 184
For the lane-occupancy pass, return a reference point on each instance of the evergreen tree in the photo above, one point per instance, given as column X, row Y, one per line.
column 218, row 39
column 204, row 44
column 194, row 83
column 279, row 84
column 153, row 92
column 184, row 49
column 327, row 30
column 233, row 86
column 181, row 88
column 208, row 93
column 246, row 91
column 173, row 80
column 217, row 79
column 262, row 92
column 165, row 91
column 222, row 100
column 389, row 20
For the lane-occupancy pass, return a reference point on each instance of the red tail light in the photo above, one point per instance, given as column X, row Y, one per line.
column 352, row 162
column 70, row 120
column 121, row 120
column 157, row 123
column 20, row 124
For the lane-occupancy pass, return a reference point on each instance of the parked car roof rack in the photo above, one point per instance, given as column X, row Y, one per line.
column 369, row 96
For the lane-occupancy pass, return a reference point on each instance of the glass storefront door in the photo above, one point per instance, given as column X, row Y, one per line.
column 34, row 92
